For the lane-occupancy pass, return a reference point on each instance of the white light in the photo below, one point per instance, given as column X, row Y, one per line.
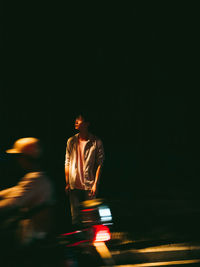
column 102, row 236
column 106, row 218
column 105, row 214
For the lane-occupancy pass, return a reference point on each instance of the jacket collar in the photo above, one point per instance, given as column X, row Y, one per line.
column 91, row 137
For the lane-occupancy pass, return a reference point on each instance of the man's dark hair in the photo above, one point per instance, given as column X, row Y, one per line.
column 84, row 116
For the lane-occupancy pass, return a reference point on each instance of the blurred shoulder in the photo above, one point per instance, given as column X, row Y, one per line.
column 36, row 175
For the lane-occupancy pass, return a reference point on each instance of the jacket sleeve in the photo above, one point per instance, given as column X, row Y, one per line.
column 100, row 153
column 19, row 195
column 68, row 151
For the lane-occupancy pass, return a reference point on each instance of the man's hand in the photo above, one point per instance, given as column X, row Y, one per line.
column 93, row 190
column 67, row 188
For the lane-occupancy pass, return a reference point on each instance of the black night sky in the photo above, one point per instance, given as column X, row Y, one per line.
column 133, row 68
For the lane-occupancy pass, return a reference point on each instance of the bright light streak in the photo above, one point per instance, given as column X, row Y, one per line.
column 104, row 253
column 105, row 214
column 102, row 233
column 164, row 263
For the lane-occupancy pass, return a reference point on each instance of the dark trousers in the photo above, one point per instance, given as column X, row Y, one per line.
column 77, row 196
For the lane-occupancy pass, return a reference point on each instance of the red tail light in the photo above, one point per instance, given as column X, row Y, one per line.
column 101, row 233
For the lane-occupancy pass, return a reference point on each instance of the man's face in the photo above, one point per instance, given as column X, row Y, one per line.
column 80, row 124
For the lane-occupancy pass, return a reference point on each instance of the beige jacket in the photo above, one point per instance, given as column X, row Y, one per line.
column 93, row 157
column 34, row 190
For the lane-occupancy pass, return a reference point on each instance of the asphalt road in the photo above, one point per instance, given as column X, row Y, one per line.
column 125, row 251
column 156, row 233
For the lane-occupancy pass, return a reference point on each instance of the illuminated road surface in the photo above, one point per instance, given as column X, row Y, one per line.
column 171, row 254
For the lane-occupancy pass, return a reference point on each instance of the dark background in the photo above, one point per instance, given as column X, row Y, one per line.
column 133, row 68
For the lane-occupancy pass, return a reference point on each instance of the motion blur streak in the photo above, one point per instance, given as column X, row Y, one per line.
column 104, row 253
column 169, row 247
column 164, row 263
column 71, row 233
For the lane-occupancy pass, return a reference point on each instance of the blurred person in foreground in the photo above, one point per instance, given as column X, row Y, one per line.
column 34, row 192
column 83, row 164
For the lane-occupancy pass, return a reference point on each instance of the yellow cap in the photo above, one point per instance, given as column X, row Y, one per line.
column 28, row 146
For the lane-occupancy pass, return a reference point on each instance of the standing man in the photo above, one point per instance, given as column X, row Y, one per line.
column 83, row 164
